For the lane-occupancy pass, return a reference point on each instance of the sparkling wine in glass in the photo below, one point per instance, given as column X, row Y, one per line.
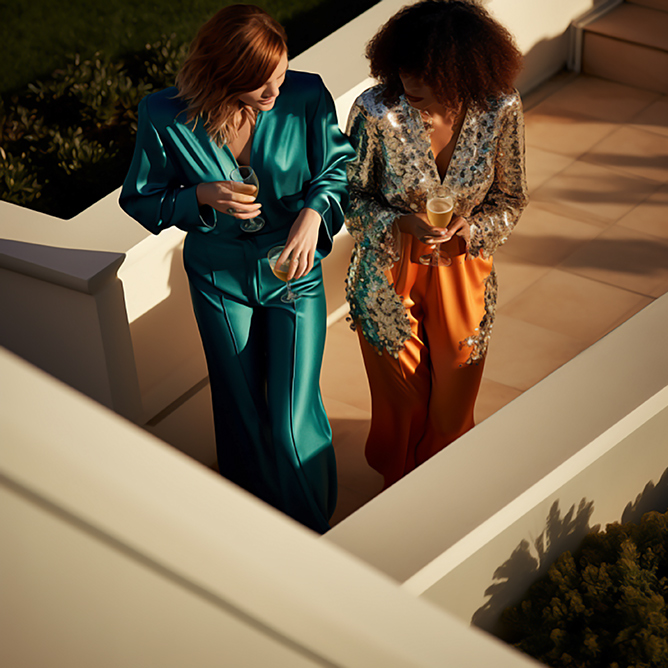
column 245, row 174
column 440, row 207
column 281, row 271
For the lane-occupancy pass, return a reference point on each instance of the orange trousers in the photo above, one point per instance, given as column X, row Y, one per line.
column 424, row 399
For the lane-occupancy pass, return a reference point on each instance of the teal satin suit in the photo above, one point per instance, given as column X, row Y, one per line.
column 264, row 356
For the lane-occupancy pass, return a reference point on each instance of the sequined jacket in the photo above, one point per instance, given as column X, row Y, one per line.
column 394, row 169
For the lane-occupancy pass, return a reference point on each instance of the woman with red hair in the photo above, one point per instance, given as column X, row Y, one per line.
column 236, row 104
column 443, row 127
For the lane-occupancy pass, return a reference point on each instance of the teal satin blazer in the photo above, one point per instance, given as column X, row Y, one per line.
column 298, row 153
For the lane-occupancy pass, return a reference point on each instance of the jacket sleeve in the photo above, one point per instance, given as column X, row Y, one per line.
column 369, row 219
column 152, row 192
column 496, row 216
column 374, row 305
column 328, row 152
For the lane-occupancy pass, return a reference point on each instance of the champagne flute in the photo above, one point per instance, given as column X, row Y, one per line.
column 245, row 174
column 281, row 271
column 440, row 207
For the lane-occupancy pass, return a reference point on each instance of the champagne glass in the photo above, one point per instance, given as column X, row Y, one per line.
column 440, row 207
column 281, row 271
column 245, row 174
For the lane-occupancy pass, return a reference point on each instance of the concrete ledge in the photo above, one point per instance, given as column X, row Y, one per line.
column 616, row 478
column 132, row 554
column 82, row 270
column 439, row 504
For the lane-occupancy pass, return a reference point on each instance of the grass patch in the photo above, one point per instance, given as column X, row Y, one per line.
column 37, row 37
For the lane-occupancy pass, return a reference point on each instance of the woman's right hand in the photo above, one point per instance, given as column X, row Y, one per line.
column 230, row 197
column 418, row 225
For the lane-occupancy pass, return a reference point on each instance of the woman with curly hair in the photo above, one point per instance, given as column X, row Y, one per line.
column 236, row 104
column 444, row 127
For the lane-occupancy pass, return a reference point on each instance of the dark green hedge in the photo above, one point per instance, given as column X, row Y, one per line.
column 67, row 141
column 602, row 607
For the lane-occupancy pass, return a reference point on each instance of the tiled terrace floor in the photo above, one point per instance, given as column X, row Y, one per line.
column 590, row 251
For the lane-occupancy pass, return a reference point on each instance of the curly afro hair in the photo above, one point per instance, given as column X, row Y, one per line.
column 454, row 46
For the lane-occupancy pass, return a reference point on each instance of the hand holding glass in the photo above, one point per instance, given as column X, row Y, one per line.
column 245, row 174
column 281, row 271
column 440, row 207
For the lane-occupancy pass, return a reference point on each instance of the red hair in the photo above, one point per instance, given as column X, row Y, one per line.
column 234, row 52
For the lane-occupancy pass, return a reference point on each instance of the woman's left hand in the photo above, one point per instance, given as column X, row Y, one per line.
column 461, row 227
column 301, row 243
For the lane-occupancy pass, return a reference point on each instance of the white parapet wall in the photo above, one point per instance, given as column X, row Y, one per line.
column 541, row 29
column 118, row 550
column 475, row 526
column 615, row 478
column 543, row 33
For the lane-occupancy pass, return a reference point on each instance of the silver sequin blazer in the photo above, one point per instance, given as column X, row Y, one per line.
column 394, row 168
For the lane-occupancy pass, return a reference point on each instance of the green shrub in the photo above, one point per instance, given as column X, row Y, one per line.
column 161, row 61
column 68, row 140
column 19, row 184
column 604, row 606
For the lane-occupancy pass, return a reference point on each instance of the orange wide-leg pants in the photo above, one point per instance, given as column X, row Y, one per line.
column 424, row 399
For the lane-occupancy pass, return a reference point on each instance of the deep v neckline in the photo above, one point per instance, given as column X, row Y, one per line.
column 247, row 146
column 224, row 153
column 428, row 124
column 424, row 129
column 250, row 144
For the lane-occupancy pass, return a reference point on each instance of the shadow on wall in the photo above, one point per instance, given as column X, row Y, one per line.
column 544, row 59
column 165, row 338
column 653, row 497
column 548, row 56
column 525, row 565
column 528, row 562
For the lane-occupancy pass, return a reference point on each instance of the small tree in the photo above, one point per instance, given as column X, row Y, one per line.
column 603, row 607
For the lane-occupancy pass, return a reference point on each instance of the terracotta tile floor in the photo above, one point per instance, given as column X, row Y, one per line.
column 590, row 251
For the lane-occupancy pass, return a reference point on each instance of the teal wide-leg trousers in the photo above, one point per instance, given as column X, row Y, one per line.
column 264, row 359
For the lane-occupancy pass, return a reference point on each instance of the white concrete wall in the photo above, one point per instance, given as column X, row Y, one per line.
column 542, row 33
column 119, row 551
column 101, row 304
column 541, row 29
column 617, row 477
column 64, row 310
column 592, row 432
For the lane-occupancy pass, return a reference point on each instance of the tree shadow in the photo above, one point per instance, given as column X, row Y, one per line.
column 632, row 256
column 628, row 256
column 599, row 157
column 529, row 561
column 604, row 186
column 653, row 497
